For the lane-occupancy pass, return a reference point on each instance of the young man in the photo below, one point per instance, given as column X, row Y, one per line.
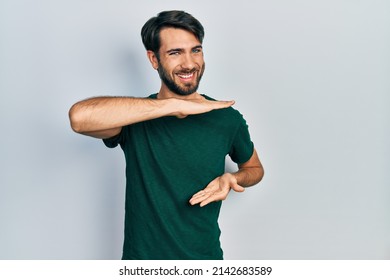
column 175, row 143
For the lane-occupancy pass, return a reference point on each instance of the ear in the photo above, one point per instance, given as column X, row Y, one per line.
column 153, row 59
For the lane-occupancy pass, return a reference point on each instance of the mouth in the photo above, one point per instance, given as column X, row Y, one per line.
column 186, row 76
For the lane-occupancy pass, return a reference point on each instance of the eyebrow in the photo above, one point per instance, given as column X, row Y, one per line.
column 181, row 49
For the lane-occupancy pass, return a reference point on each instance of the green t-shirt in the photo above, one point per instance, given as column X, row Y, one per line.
column 167, row 161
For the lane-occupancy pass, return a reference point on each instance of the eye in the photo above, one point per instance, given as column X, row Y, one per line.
column 174, row 53
column 197, row 50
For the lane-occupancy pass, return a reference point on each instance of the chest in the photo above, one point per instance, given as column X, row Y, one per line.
column 197, row 140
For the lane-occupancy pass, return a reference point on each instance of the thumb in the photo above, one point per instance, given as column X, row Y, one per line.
column 238, row 188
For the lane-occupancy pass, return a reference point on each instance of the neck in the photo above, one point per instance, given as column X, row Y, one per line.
column 165, row 93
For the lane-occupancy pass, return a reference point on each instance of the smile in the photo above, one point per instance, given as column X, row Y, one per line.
column 186, row 76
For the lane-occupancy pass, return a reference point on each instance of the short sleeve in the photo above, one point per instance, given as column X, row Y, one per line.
column 112, row 142
column 242, row 146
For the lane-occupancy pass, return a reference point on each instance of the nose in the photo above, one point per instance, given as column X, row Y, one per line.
column 188, row 61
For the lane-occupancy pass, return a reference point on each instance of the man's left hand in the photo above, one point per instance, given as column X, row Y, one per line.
column 217, row 189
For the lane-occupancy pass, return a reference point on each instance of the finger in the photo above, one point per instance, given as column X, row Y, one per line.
column 238, row 188
column 211, row 188
column 205, row 202
column 215, row 196
column 198, row 199
column 212, row 198
column 224, row 104
column 200, row 193
column 200, row 196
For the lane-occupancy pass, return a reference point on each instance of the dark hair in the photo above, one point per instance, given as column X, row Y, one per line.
column 150, row 32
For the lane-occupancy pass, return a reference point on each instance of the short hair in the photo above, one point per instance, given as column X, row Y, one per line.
column 150, row 32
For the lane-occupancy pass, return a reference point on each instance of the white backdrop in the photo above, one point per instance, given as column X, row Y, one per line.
column 312, row 79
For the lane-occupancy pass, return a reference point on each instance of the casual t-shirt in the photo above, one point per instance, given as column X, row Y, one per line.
column 167, row 161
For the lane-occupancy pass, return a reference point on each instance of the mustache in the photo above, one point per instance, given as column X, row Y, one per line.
column 188, row 71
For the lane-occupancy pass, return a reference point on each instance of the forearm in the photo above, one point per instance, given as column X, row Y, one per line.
column 249, row 176
column 103, row 113
column 251, row 172
column 104, row 117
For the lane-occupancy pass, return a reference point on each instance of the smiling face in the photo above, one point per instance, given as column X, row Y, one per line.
column 179, row 62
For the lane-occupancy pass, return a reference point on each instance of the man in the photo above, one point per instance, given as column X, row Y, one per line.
column 175, row 143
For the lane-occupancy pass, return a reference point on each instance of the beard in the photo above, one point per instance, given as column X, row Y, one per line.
column 188, row 88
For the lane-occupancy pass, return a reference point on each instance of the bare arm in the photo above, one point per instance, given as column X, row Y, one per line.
column 248, row 174
column 251, row 172
column 104, row 117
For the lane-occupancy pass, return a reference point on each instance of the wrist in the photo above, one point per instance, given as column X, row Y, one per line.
column 231, row 177
column 169, row 106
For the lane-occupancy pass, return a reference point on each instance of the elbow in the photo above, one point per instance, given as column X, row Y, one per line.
column 260, row 175
column 75, row 118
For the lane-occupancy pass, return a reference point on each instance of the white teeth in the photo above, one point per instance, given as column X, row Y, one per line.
column 186, row 76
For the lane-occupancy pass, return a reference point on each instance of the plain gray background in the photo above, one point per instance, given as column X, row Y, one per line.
column 312, row 79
